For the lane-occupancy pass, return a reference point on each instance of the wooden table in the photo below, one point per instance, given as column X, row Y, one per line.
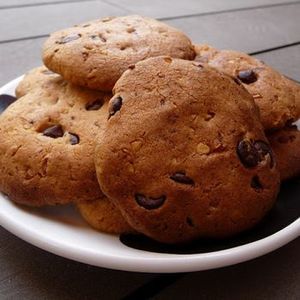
column 268, row 29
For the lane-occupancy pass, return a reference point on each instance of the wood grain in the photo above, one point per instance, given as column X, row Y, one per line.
column 286, row 60
column 18, row 57
column 275, row 276
column 30, row 273
column 248, row 31
column 165, row 9
column 49, row 18
column 274, row 24
column 22, row 3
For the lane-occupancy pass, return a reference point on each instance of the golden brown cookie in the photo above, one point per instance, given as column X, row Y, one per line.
column 286, row 146
column 95, row 54
column 278, row 97
column 47, row 142
column 102, row 215
column 39, row 77
column 189, row 157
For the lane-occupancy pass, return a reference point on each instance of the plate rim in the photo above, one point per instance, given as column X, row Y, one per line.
column 164, row 262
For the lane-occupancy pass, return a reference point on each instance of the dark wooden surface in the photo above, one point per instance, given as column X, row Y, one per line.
column 268, row 29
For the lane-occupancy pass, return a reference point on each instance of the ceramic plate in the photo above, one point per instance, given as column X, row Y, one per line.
column 60, row 230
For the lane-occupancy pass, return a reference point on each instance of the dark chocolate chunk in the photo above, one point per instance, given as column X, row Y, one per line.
column 115, row 106
column 74, row 138
column 54, row 131
column 256, row 184
column 247, row 76
column 94, row 105
column 182, row 178
column 149, row 202
column 252, row 153
column 190, row 221
column 69, row 38
column 247, row 154
column 264, row 150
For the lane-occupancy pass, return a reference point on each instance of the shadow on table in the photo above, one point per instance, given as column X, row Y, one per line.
column 30, row 273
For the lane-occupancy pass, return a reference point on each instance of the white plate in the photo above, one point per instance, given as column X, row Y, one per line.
column 60, row 230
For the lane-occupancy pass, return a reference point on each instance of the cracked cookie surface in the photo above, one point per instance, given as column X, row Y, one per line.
column 189, row 157
column 277, row 97
column 47, row 141
column 96, row 53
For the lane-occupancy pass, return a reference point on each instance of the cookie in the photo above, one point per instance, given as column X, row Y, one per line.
column 189, row 157
column 102, row 215
column 286, row 146
column 277, row 96
column 95, row 54
column 39, row 77
column 47, row 142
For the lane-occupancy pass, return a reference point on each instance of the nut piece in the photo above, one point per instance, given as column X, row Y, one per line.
column 136, row 145
column 202, row 149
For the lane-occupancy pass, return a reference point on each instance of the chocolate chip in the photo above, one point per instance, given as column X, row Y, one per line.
column 255, row 183
column 252, row 153
column 149, row 202
column 5, row 101
column 247, row 76
column 98, row 37
column 247, row 154
column 190, row 221
column 115, row 106
column 69, row 38
column 264, row 150
column 182, row 178
column 94, row 105
column 54, row 131
column 74, row 138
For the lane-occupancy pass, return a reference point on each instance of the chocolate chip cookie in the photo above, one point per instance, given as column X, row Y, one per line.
column 47, row 143
column 95, row 54
column 189, row 157
column 103, row 216
column 286, row 146
column 278, row 97
column 40, row 77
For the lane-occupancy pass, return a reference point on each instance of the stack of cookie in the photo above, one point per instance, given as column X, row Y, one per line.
column 277, row 97
column 146, row 133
